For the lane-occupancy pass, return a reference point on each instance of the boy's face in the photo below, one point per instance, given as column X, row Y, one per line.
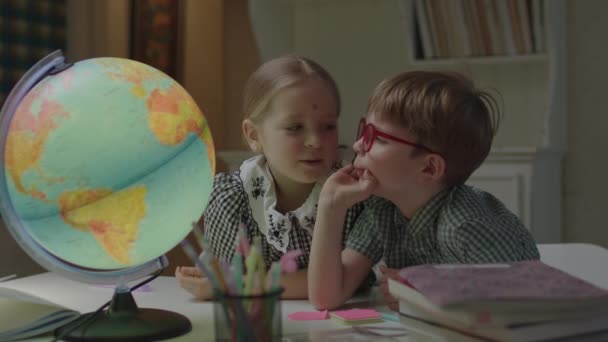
column 299, row 135
column 392, row 163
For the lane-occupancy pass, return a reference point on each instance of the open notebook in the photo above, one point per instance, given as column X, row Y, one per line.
column 25, row 315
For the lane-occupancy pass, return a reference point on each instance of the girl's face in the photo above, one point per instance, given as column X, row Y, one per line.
column 299, row 134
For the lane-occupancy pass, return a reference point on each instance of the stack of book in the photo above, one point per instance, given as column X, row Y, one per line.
column 521, row 301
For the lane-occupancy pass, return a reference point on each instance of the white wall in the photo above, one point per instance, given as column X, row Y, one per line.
column 367, row 30
column 586, row 163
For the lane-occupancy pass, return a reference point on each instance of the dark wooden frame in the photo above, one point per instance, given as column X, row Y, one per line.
column 155, row 34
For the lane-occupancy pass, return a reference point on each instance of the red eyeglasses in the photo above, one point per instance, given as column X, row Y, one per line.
column 369, row 132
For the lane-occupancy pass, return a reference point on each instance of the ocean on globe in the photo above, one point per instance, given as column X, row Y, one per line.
column 108, row 163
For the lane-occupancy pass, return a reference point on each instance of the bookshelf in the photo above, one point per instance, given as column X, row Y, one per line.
column 363, row 41
column 487, row 60
column 446, row 29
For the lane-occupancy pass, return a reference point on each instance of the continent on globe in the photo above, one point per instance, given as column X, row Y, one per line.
column 25, row 139
column 112, row 218
column 174, row 114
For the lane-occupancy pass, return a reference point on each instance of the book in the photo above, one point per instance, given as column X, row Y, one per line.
column 507, row 287
column 536, row 13
column 436, row 331
column 571, row 330
column 25, row 315
column 424, row 29
column 480, row 318
column 501, row 301
column 506, row 27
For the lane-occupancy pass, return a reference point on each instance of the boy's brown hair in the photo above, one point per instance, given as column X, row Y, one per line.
column 444, row 111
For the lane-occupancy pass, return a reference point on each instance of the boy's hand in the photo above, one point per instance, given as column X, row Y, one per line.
column 389, row 273
column 348, row 186
column 192, row 280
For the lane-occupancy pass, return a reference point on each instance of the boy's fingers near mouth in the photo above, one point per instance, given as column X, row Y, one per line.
column 348, row 168
column 367, row 175
column 356, row 173
column 368, row 180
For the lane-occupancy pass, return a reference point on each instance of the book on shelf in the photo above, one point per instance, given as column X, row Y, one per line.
column 500, row 300
column 477, row 28
column 424, row 30
column 24, row 314
column 536, row 11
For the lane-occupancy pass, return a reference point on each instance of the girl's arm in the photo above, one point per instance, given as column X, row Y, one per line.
column 191, row 280
column 295, row 285
column 220, row 224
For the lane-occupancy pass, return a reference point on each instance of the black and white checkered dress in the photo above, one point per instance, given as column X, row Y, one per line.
column 246, row 196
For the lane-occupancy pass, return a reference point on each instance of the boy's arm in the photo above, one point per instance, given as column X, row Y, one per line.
column 334, row 274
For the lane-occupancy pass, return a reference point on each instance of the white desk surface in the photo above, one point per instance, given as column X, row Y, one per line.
column 166, row 294
column 586, row 261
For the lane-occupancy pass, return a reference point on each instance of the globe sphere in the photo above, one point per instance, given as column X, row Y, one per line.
column 106, row 163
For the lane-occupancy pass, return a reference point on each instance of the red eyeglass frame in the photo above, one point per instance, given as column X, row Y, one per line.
column 365, row 126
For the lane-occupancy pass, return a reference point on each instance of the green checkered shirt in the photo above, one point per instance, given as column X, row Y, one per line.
column 459, row 225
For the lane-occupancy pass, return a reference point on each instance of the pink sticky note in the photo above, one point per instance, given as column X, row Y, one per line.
column 308, row 315
column 356, row 314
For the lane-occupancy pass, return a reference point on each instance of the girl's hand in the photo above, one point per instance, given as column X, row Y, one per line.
column 193, row 281
column 347, row 187
column 389, row 273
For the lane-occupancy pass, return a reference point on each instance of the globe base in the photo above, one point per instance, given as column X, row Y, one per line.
column 124, row 321
column 146, row 325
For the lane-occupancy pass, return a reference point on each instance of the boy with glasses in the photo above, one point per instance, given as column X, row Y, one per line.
column 423, row 136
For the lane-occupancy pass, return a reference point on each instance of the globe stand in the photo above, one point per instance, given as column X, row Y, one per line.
column 124, row 321
column 27, row 221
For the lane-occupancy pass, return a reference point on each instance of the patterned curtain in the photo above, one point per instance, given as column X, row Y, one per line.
column 29, row 30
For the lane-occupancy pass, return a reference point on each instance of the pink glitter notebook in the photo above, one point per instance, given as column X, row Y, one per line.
column 502, row 287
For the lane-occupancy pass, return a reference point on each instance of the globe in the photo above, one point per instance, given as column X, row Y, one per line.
column 106, row 164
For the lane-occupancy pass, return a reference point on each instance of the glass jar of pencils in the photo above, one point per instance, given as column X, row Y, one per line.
column 251, row 318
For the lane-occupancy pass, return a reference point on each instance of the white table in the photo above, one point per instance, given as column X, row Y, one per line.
column 586, row 261
column 583, row 260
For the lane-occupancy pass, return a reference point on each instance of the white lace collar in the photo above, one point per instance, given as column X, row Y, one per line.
column 259, row 186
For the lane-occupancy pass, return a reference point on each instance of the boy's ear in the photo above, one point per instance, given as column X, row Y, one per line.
column 434, row 167
column 250, row 131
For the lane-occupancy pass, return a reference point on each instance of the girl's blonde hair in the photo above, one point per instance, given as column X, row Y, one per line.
column 278, row 74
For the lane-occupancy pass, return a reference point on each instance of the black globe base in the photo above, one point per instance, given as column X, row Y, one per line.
column 123, row 321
